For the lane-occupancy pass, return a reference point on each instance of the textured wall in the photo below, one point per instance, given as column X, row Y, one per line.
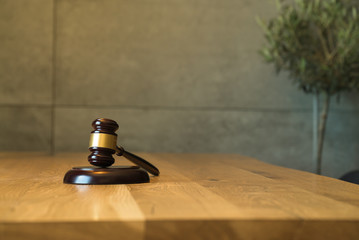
column 177, row 75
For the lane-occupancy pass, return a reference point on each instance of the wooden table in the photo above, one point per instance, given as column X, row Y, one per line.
column 197, row 196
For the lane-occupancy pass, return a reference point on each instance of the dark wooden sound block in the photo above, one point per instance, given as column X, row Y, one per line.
column 110, row 175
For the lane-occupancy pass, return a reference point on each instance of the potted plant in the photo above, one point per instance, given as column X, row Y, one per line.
column 317, row 42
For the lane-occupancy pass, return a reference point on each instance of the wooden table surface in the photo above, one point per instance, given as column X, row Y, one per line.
column 197, row 196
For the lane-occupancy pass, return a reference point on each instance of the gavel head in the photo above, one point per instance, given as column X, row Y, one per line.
column 103, row 142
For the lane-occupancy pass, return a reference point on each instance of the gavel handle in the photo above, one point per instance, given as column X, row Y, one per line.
column 138, row 161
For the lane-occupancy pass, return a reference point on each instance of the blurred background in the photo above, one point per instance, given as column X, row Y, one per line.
column 177, row 76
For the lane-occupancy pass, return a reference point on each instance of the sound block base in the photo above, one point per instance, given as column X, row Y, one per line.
column 110, row 175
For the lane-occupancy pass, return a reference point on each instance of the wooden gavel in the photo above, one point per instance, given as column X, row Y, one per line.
column 103, row 144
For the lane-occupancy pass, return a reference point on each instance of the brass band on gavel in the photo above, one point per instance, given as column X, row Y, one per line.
column 103, row 140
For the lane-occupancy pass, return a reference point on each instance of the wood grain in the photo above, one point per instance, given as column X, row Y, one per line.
column 197, row 196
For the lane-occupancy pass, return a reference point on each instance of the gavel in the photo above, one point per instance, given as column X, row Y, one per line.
column 103, row 144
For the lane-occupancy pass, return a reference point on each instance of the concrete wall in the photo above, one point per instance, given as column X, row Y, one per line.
column 177, row 75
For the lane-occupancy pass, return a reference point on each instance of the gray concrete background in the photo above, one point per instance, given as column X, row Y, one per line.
column 177, row 75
